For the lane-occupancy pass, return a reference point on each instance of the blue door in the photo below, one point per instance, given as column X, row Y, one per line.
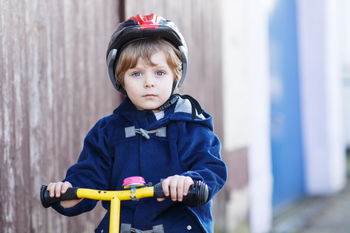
column 286, row 135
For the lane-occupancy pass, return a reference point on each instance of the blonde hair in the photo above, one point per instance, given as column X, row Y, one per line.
column 145, row 48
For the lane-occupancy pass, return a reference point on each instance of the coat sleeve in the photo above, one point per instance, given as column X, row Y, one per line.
column 92, row 169
column 199, row 150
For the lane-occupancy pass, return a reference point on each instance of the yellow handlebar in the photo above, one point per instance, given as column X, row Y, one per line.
column 198, row 194
column 123, row 195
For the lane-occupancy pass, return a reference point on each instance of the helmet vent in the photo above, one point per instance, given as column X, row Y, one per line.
column 147, row 21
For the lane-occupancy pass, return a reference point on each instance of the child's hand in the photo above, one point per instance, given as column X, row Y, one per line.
column 58, row 188
column 177, row 186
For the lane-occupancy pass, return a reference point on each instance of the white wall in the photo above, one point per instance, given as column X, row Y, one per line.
column 246, row 99
column 321, row 88
column 260, row 171
column 344, row 34
column 235, row 74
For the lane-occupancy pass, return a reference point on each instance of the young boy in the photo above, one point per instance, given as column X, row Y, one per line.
column 154, row 133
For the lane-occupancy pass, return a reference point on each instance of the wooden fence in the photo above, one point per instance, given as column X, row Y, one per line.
column 54, row 86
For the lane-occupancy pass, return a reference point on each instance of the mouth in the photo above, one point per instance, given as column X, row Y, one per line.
column 149, row 95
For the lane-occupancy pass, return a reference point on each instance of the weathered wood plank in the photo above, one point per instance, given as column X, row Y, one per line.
column 54, row 87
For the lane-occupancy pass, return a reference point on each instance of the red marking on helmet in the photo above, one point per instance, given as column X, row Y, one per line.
column 147, row 21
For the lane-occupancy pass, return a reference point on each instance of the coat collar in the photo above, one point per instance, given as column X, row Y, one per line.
column 181, row 111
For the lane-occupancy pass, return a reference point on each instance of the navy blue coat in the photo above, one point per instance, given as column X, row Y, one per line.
column 113, row 151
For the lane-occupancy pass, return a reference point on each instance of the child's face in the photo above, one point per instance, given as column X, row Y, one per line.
column 148, row 86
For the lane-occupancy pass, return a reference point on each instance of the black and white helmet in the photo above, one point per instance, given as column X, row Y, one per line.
column 142, row 27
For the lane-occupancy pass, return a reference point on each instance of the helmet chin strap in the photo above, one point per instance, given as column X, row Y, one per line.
column 172, row 99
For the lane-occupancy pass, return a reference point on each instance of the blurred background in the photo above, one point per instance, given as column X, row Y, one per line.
column 275, row 74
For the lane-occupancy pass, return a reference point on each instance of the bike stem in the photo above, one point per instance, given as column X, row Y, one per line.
column 114, row 215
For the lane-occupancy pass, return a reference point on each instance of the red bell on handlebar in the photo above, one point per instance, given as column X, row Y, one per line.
column 133, row 181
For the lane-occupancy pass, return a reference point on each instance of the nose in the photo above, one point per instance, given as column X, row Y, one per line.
column 149, row 81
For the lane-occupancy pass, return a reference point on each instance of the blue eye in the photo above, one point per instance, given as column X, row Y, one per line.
column 136, row 74
column 160, row 73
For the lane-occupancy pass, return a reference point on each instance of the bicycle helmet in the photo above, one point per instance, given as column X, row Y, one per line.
column 142, row 27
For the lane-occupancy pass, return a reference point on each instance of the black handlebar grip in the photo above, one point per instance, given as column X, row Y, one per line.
column 197, row 195
column 47, row 201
